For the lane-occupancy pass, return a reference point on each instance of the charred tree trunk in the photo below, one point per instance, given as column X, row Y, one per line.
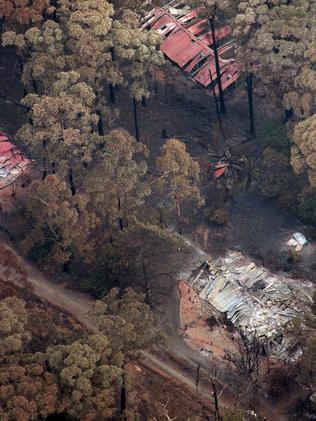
column 123, row 399
column 119, row 207
column 219, row 118
column 249, row 79
column 112, row 93
column 146, row 285
column 179, row 216
column 218, row 71
column 100, row 124
column 44, row 174
column 111, row 87
column 217, row 413
column 288, row 114
column 20, row 63
column 71, row 182
column 135, row 119
column 1, row 23
column 35, row 86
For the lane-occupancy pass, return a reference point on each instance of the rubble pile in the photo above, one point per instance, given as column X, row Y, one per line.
column 254, row 300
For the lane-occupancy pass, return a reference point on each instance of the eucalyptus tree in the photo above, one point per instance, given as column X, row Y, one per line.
column 16, row 14
column 41, row 52
column 303, row 156
column 116, row 181
column 60, row 131
column 61, row 225
column 180, row 176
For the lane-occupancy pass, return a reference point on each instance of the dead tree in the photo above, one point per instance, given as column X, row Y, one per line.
column 217, row 65
column 165, row 412
column 135, row 114
column 249, row 80
column 215, row 395
column 205, row 412
column 246, row 359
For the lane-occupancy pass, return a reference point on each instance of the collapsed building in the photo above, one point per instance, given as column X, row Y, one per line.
column 13, row 164
column 254, row 300
column 188, row 44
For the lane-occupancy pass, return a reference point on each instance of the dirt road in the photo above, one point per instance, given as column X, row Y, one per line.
column 79, row 304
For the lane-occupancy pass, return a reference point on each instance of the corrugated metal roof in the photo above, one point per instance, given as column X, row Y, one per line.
column 253, row 299
column 188, row 43
column 12, row 162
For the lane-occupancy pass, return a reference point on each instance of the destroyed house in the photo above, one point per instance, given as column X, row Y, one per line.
column 13, row 163
column 188, row 44
column 256, row 301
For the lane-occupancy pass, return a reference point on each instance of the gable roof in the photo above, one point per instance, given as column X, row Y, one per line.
column 188, row 43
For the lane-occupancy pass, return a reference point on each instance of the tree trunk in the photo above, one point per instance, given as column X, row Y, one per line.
column 155, row 85
column 119, row 207
column 146, row 285
column 218, row 71
column 219, row 118
column 135, row 119
column 1, row 23
column 44, row 174
column 71, row 182
column 123, row 399
column 19, row 59
column 179, row 215
column 53, row 167
column 288, row 114
column 249, row 79
column 111, row 87
column 100, row 124
column 217, row 413
column 35, row 87
column 111, row 94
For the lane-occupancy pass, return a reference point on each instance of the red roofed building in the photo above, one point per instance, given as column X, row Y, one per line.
column 13, row 163
column 188, row 43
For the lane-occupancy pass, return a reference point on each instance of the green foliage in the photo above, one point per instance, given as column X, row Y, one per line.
column 62, row 224
column 87, row 375
column 127, row 320
column 277, row 178
column 21, row 13
column 303, row 157
column 180, row 176
column 27, row 392
column 13, row 318
column 81, row 378
column 60, row 127
column 307, row 205
column 115, row 182
column 274, row 136
column 142, row 256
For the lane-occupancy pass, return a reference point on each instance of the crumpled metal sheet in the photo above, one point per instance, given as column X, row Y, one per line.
column 12, row 162
column 255, row 300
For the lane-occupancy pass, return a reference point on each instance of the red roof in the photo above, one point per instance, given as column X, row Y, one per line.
column 12, row 163
column 188, row 42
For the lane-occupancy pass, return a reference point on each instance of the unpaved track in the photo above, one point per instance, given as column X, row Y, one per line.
column 79, row 304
